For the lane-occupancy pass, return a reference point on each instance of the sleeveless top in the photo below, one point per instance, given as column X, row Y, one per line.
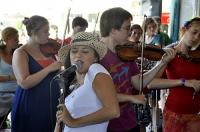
column 84, row 101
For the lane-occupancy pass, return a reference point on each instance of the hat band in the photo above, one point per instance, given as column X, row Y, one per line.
column 79, row 40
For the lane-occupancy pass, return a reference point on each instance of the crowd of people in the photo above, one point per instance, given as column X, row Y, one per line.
column 99, row 88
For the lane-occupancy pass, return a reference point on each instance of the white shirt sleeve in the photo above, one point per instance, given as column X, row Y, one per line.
column 95, row 69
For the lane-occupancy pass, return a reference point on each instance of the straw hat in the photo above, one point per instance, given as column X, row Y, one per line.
column 85, row 39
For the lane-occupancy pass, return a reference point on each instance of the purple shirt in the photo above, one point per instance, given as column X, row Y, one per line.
column 121, row 73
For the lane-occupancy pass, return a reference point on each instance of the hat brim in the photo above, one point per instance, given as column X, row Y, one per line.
column 99, row 47
column 63, row 52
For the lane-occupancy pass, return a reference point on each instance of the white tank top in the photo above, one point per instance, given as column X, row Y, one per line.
column 83, row 101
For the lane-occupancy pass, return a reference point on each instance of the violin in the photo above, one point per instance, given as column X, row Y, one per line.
column 50, row 48
column 131, row 51
column 193, row 56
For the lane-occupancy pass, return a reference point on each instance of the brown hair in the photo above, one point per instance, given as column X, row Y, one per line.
column 34, row 24
column 136, row 26
column 8, row 33
column 147, row 22
column 113, row 18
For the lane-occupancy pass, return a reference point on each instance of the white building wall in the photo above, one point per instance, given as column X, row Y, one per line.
column 189, row 9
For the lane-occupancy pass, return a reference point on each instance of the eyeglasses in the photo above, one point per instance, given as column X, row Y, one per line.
column 127, row 28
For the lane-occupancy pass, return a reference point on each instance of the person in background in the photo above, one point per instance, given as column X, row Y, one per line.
column 93, row 100
column 165, row 40
column 36, row 98
column 181, row 112
column 151, row 36
column 135, row 37
column 9, row 43
column 136, row 33
column 79, row 24
column 115, row 26
column 151, row 39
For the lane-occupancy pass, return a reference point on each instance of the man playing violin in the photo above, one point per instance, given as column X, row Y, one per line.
column 115, row 28
column 181, row 111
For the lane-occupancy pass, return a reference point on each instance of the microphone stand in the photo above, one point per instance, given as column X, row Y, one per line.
column 61, row 99
column 64, row 84
column 155, row 110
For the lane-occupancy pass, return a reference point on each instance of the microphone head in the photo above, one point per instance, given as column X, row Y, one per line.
column 78, row 64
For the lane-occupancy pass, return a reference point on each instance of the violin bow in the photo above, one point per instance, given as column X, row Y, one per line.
column 67, row 28
column 97, row 18
column 142, row 57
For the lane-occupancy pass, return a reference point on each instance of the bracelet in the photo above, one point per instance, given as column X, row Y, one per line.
column 182, row 82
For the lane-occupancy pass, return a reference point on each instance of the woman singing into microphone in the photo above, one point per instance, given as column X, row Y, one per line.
column 93, row 100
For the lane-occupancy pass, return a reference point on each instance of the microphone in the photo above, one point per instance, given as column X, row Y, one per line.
column 70, row 70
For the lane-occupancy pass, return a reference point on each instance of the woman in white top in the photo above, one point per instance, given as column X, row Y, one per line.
column 93, row 101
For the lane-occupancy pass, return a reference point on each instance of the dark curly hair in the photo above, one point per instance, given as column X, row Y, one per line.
column 79, row 21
